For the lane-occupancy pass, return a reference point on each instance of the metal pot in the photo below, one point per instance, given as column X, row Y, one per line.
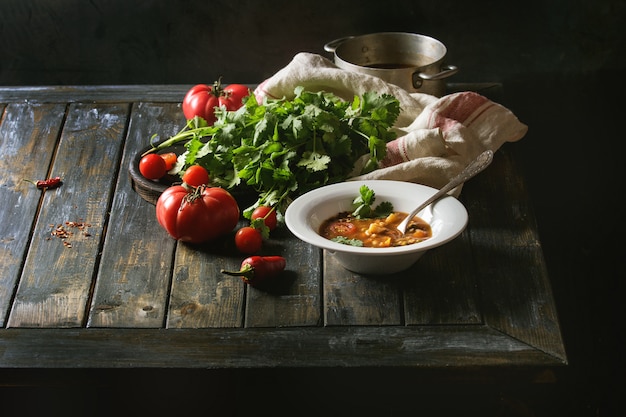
column 411, row 61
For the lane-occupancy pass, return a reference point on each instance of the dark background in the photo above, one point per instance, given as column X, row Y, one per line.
column 562, row 65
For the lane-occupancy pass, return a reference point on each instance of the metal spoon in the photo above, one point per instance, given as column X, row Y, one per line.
column 477, row 165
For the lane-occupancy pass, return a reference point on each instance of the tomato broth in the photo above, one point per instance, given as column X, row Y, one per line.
column 379, row 232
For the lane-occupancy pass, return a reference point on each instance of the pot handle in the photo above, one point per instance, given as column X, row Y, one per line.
column 447, row 70
column 332, row 45
column 420, row 77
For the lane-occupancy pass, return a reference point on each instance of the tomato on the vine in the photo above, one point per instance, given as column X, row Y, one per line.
column 268, row 214
column 197, row 215
column 236, row 93
column 202, row 99
column 196, row 176
column 152, row 166
column 248, row 239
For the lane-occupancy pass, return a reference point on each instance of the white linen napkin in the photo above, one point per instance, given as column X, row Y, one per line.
column 437, row 137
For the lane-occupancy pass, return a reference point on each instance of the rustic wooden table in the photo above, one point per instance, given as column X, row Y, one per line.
column 118, row 292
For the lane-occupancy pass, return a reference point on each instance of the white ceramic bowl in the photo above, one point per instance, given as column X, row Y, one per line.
column 447, row 218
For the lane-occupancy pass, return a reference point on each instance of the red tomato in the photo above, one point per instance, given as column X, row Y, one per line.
column 197, row 216
column 201, row 100
column 236, row 93
column 170, row 160
column 152, row 166
column 196, row 176
column 248, row 239
column 267, row 214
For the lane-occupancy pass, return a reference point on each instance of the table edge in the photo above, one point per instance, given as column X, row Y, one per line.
column 395, row 346
column 148, row 92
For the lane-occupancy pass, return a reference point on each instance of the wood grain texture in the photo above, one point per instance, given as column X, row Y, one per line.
column 134, row 274
column 515, row 289
column 354, row 299
column 202, row 296
column 430, row 347
column 125, row 294
column 56, row 279
column 442, row 288
column 96, row 93
column 296, row 300
column 28, row 136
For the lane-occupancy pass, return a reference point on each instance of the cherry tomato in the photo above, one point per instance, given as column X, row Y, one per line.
column 268, row 214
column 248, row 240
column 152, row 166
column 197, row 215
column 196, row 176
column 201, row 100
column 170, row 160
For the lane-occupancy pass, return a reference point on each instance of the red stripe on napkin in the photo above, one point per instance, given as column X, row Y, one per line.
column 396, row 153
column 461, row 108
column 448, row 114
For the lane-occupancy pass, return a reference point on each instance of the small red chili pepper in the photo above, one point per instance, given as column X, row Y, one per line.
column 49, row 183
column 256, row 270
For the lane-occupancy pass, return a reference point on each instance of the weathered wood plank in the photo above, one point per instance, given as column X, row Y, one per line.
column 28, row 135
column 55, row 285
column 294, row 299
column 153, row 92
column 514, row 285
column 354, row 299
column 133, row 282
column 202, row 296
column 442, row 287
column 428, row 347
column 97, row 93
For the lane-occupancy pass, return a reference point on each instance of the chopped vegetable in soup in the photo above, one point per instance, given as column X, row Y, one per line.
column 378, row 232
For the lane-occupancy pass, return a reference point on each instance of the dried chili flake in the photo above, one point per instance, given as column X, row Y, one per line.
column 64, row 231
column 53, row 182
column 61, row 232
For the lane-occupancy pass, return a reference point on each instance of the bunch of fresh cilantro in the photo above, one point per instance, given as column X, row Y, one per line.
column 283, row 148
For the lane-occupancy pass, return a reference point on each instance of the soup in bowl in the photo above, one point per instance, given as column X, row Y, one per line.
column 446, row 218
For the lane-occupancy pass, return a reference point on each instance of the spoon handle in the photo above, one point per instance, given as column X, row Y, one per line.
column 477, row 165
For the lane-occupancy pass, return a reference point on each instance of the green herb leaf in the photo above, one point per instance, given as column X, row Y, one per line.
column 384, row 209
column 283, row 148
column 363, row 205
column 346, row 241
column 314, row 161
